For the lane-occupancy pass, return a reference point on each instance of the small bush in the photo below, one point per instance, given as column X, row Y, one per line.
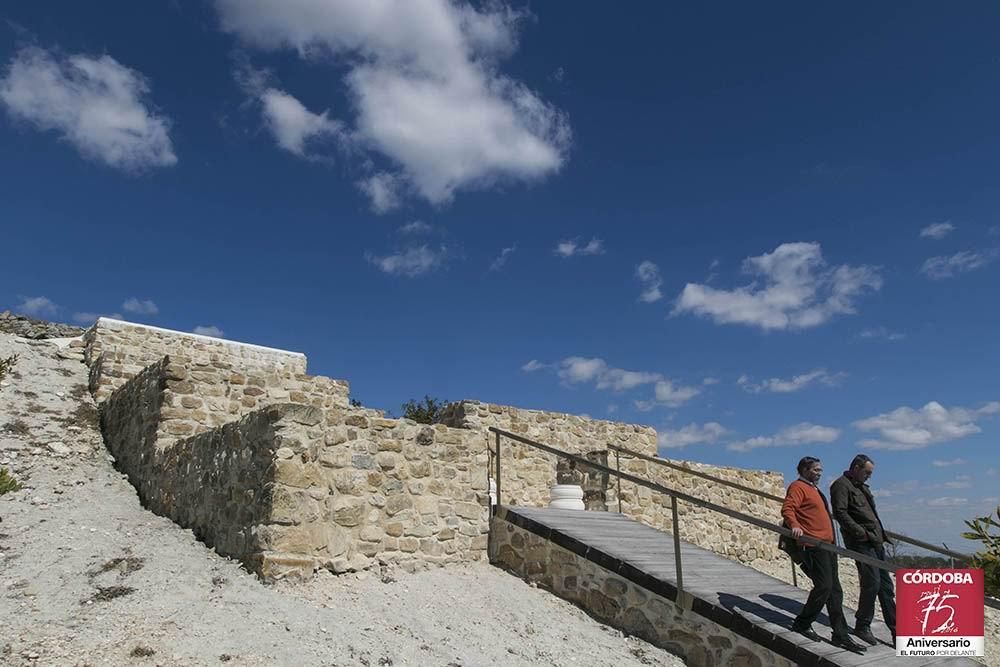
column 989, row 558
column 428, row 411
column 6, row 365
column 7, row 482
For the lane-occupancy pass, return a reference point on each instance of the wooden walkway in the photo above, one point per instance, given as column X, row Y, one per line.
column 747, row 602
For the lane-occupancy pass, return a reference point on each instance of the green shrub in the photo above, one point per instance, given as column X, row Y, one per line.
column 6, row 365
column 7, row 482
column 989, row 558
column 428, row 411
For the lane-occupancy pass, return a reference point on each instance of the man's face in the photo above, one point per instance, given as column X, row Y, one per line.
column 814, row 472
column 864, row 473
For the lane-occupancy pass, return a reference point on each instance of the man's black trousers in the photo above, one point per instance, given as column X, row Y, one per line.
column 821, row 566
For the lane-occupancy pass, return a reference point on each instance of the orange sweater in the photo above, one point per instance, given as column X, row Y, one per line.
column 804, row 508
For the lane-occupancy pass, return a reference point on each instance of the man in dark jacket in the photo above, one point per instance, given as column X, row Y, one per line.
column 854, row 509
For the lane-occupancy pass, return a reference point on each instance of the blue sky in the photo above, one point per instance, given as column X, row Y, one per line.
column 766, row 232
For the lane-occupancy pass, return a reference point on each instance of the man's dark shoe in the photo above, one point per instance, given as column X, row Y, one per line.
column 865, row 635
column 807, row 633
column 848, row 645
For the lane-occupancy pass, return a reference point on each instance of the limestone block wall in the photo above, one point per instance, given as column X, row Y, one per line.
column 389, row 490
column 728, row 537
column 527, row 474
column 116, row 351
column 217, row 483
column 622, row 603
column 200, row 396
column 289, row 488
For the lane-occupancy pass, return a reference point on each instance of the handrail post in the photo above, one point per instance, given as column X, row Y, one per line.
column 496, row 507
column 795, row 576
column 677, row 545
column 618, row 464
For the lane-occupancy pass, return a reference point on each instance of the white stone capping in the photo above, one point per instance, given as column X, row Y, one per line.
column 118, row 325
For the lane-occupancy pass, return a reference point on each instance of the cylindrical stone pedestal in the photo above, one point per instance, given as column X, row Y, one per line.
column 566, row 497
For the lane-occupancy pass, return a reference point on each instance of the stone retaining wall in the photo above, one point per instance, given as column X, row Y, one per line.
column 728, row 537
column 621, row 603
column 200, row 396
column 391, row 490
column 117, row 351
column 527, row 474
column 289, row 488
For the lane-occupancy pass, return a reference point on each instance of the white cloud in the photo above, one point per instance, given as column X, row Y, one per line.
column 36, row 305
column 384, row 190
column 905, row 428
column 938, row 230
column 692, row 434
column 573, row 247
column 533, row 365
column 938, row 463
column 501, row 259
column 946, row 266
column 649, row 275
column 710, row 381
column 416, row 228
column 799, row 434
column 425, row 86
column 793, row 384
column 213, row 331
column 882, row 332
column 797, row 290
column 294, row 126
column 94, row 103
column 411, row 262
column 671, row 395
column 579, row 370
column 144, row 307
column 947, row 501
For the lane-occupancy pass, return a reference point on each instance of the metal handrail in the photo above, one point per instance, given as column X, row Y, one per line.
column 763, row 494
column 676, row 495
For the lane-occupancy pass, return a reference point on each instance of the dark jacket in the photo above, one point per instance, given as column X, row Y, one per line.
column 854, row 509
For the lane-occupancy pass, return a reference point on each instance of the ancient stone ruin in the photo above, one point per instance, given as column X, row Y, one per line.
column 274, row 467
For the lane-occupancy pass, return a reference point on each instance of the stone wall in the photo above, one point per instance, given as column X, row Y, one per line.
column 728, row 537
column 117, row 351
column 289, row 488
column 388, row 490
column 622, row 603
column 527, row 473
column 199, row 396
column 210, row 381
column 216, row 483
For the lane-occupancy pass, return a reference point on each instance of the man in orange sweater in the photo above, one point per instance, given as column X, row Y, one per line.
column 806, row 512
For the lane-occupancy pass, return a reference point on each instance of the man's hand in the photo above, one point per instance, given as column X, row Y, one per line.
column 797, row 532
